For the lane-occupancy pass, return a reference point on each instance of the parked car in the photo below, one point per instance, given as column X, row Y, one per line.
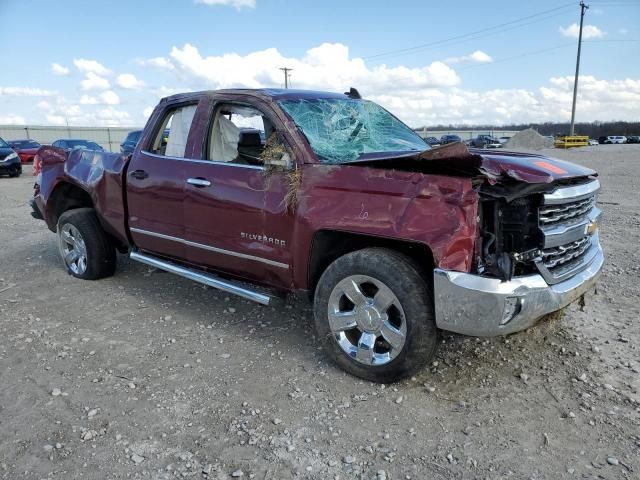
column 391, row 239
column 76, row 144
column 593, row 141
column 130, row 142
column 445, row 139
column 633, row 139
column 432, row 141
column 9, row 160
column 26, row 149
column 485, row 141
column 613, row 139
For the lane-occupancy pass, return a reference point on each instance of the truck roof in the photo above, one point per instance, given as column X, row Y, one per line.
column 263, row 93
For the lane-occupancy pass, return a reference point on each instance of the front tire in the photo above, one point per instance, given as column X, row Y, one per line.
column 86, row 250
column 373, row 311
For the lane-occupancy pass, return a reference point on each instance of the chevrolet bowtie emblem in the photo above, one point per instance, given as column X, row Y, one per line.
column 591, row 228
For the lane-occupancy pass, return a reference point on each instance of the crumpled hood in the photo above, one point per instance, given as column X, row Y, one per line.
column 524, row 167
column 457, row 159
column 529, row 168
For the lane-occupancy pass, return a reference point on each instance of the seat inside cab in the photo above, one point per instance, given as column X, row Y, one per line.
column 238, row 134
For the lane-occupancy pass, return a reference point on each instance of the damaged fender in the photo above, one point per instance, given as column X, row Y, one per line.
column 436, row 211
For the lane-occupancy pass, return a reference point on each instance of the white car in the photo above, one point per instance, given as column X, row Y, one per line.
column 616, row 139
column 593, row 141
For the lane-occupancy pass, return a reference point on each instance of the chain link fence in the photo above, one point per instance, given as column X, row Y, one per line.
column 109, row 138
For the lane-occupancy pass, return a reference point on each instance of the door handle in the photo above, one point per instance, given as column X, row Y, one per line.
column 198, row 182
column 139, row 174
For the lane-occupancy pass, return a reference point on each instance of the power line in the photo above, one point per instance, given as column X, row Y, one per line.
column 536, row 52
column 612, row 40
column 471, row 34
column 515, row 57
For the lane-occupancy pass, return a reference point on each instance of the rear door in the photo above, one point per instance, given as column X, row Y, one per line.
column 155, row 182
column 236, row 217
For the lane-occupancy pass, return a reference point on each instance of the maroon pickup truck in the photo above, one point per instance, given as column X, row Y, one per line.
column 264, row 192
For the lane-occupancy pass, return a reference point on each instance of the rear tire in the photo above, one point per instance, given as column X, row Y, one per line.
column 373, row 312
column 86, row 250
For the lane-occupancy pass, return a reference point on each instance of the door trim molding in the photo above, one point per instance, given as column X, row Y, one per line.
column 209, row 248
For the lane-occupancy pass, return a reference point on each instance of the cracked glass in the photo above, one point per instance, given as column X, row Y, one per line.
column 345, row 130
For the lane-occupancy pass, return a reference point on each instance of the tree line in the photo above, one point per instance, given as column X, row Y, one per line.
column 592, row 129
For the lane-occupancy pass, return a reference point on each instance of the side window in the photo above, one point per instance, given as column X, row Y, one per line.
column 239, row 134
column 171, row 139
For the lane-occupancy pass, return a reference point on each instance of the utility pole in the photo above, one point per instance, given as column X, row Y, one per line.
column 286, row 71
column 583, row 8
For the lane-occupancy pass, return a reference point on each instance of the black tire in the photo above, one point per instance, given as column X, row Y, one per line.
column 407, row 282
column 100, row 259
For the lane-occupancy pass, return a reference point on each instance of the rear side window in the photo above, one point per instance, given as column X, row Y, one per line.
column 172, row 136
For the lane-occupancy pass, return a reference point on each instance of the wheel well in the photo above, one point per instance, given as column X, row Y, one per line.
column 67, row 197
column 329, row 245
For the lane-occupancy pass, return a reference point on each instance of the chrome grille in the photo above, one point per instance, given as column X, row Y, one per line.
column 564, row 218
column 553, row 257
column 567, row 212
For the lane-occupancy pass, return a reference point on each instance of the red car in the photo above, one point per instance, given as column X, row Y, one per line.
column 392, row 240
column 26, row 149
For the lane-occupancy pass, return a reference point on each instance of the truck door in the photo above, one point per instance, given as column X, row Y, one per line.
column 236, row 217
column 155, row 183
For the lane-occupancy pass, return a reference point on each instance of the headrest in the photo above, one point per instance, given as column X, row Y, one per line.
column 249, row 138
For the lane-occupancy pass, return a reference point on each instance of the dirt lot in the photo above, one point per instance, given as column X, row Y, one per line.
column 147, row 375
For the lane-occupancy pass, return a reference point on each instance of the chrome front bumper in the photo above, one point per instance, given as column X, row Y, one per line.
column 486, row 307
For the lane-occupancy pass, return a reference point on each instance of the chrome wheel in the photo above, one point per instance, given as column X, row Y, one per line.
column 73, row 249
column 367, row 320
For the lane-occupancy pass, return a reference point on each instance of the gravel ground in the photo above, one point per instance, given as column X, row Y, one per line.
column 147, row 375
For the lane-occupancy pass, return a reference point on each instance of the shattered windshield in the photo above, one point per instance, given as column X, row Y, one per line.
column 343, row 130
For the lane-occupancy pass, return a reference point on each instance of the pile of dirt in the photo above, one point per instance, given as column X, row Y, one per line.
column 529, row 139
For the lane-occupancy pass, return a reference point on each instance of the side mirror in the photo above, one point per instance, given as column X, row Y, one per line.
column 276, row 153
column 284, row 161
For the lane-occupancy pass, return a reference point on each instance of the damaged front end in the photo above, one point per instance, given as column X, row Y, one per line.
column 509, row 234
column 538, row 248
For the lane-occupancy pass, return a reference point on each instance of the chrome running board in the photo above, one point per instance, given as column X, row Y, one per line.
column 201, row 277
